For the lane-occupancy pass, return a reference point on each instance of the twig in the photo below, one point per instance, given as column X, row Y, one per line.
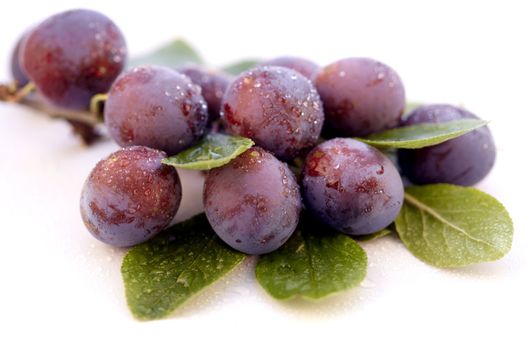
column 57, row 112
column 19, row 94
column 23, row 96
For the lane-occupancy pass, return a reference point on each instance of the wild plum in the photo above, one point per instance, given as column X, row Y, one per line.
column 351, row 186
column 253, row 203
column 129, row 197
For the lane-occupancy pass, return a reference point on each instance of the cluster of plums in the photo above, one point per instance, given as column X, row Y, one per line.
column 286, row 106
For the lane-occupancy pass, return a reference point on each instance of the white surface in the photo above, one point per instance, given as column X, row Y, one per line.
column 60, row 288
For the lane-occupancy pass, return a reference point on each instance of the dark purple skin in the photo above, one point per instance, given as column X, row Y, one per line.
column 155, row 107
column 87, row 133
column 463, row 161
column 130, row 196
column 213, row 85
column 16, row 70
column 72, row 56
column 360, row 96
column 277, row 108
column 253, row 203
column 306, row 67
column 351, row 186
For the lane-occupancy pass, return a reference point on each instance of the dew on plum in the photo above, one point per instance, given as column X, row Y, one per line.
column 306, row 67
column 213, row 85
column 277, row 108
column 129, row 197
column 72, row 56
column 360, row 96
column 351, row 186
column 464, row 161
column 253, row 203
column 155, row 107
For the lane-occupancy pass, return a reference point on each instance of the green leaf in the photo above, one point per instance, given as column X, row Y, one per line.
column 213, row 151
column 174, row 54
column 239, row 67
column 313, row 263
column 161, row 274
column 381, row 233
column 451, row 226
column 423, row 135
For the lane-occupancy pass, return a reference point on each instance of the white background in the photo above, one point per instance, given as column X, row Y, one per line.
column 61, row 288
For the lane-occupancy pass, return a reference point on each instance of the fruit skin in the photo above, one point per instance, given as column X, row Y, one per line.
column 351, row 186
column 463, row 161
column 253, row 203
column 87, row 133
column 213, row 85
column 360, row 96
column 277, row 108
column 130, row 196
column 16, row 70
column 72, row 56
column 155, row 107
column 306, row 67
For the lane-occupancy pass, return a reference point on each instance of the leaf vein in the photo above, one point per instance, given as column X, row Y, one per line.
column 423, row 207
column 176, row 280
column 311, row 269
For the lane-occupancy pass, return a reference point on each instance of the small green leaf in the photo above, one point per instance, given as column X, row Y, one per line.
column 174, row 54
column 213, row 151
column 381, row 233
column 161, row 274
column 452, row 226
column 239, row 67
column 423, row 135
column 313, row 263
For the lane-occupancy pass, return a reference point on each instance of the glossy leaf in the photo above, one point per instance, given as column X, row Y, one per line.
column 213, row 151
column 422, row 135
column 450, row 226
column 161, row 274
column 313, row 263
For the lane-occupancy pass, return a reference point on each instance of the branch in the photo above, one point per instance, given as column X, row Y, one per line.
column 24, row 96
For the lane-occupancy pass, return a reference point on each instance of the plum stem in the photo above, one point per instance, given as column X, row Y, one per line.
column 18, row 95
column 96, row 106
column 25, row 96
